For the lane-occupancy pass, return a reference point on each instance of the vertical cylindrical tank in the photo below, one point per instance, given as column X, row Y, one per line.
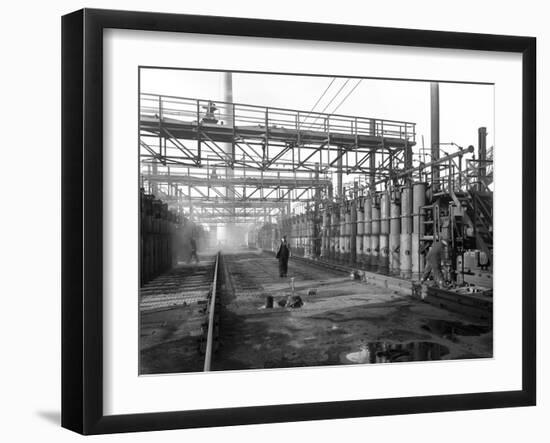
column 353, row 232
column 331, row 239
column 324, row 233
column 310, row 239
column 325, row 244
column 305, row 246
column 342, row 235
column 405, row 257
column 360, row 232
column 296, row 231
column 395, row 231
column 419, row 200
column 304, row 236
column 367, row 230
column 347, row 232
column 297, row 234
column 328, row 233
column 375, row 234
column 298, row 246
column 307, row 234
column 336, row 232
column 384, row 256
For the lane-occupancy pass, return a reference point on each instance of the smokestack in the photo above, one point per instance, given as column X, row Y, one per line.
column 228, row 95
column 229, row 148
column 228, row 111
column 434, row 131
column 227, row 231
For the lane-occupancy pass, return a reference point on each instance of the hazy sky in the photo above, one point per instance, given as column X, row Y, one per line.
column 463, row 107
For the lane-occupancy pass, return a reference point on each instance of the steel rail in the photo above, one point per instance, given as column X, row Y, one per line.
column 211, row 309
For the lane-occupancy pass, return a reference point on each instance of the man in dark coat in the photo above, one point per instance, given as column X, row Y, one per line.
column 433, row 262
column 193, row 255
column 283, row 253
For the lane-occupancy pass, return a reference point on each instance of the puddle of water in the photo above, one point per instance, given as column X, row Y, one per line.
column 382, row 352
column 451, row 329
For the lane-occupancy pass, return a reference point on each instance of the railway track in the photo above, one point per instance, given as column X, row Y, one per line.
column 212, row 316
column 181, row 286
column 177, row 318
column 182, row 312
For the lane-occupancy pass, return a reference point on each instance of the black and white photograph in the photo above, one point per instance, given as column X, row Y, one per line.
column 266, row 222
column 297, row 220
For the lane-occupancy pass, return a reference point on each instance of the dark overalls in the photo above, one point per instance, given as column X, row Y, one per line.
column 283, row 254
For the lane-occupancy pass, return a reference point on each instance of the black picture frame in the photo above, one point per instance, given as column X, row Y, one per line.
column 82, row 215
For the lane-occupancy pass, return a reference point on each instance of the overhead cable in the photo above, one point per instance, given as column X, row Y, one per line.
column 345, row 98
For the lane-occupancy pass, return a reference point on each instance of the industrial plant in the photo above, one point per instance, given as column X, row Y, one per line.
column 280, row 237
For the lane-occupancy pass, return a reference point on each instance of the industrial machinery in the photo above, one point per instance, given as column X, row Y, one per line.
column 276, row 172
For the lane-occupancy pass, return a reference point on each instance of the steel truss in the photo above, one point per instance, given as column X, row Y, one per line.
column 194, row 149
column 188, row 132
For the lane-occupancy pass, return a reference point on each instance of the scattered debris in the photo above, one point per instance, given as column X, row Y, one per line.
column 312, row 292
column 294, row 301
column 419, row 290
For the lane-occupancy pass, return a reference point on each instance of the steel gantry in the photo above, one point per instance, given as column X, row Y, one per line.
column 275, row 155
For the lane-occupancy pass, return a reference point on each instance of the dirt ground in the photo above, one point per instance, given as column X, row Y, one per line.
column 341, row 321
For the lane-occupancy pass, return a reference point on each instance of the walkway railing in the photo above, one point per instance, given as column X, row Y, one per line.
column 209, row 112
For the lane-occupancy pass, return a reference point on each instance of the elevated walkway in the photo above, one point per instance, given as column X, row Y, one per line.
column 220, row 122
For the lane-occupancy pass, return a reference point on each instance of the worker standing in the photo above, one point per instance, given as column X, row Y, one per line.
column 433, row 263
column 283, row 254
column 193, row 255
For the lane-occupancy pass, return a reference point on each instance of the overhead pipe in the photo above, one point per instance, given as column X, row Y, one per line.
column 462, row 152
